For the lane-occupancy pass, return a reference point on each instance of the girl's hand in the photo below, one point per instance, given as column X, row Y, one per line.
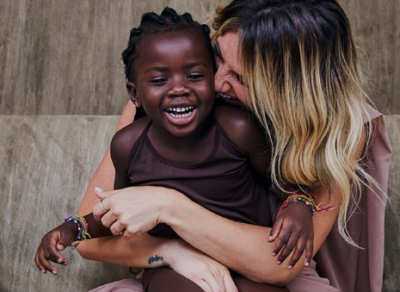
column 131, row 211
column 293, row 230
column 198, row 267
column 52, row 243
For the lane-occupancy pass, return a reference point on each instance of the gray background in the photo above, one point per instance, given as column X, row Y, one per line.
column 63, row 56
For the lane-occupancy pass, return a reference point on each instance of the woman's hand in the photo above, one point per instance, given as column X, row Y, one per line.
column 132, row 211
column 198, row 267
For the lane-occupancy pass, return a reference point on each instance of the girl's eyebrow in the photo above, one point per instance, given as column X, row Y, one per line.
column 159, row 69
column 192, row 65
column 166, row 69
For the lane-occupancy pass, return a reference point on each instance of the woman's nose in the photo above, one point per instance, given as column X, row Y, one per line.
column 221, row 84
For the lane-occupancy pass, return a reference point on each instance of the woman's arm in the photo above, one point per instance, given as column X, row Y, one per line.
column 243, row 247
column 104, row 174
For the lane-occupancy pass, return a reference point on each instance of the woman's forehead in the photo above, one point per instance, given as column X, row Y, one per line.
column 228, row 48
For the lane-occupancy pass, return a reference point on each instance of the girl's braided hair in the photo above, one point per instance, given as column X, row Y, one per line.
column 167, row 21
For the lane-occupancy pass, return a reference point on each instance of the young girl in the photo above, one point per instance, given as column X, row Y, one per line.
column 216, row 155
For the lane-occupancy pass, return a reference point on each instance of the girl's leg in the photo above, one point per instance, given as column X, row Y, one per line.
column 246, row 285
column 166, row 280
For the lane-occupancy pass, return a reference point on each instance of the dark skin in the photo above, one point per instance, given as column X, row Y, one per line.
column 193, row 86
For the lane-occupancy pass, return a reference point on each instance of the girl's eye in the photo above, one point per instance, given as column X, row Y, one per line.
column 159, row 81
column 195, row 77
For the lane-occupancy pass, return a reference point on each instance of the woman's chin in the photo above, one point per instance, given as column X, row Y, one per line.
column 228, row 100
column 225, row 99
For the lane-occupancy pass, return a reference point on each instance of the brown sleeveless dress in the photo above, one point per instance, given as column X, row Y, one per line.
column 223, row 183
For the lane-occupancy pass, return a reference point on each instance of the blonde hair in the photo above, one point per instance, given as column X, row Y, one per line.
column 300, row 67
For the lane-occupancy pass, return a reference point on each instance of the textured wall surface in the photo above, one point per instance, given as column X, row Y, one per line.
column 63, row 57
column 46, row 163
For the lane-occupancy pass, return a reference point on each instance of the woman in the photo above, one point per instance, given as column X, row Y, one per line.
column 296, row 68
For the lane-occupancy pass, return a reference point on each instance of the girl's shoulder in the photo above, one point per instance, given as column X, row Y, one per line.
column 125, row 139
column 240, row 126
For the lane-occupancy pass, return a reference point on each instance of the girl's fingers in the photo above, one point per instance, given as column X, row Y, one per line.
column 309, row 252
column 298, row 252
column 281, row 241
column 46, row 263
column 53, row 253
column 290, row 244
column 38, row 263
column 276, row 229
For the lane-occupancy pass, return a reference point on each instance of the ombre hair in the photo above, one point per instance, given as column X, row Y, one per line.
column 301, row 70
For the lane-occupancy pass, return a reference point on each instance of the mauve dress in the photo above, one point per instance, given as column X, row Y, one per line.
column 340, row 266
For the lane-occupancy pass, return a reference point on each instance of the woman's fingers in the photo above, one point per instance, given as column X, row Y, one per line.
column 204, row 285
column 117, row 228
column 229, row 284
column 102, row 207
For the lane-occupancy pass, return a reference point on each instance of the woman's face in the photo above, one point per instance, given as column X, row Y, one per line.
column 228, row 79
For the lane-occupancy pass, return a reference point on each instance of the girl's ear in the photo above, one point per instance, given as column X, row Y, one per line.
column 133, row 94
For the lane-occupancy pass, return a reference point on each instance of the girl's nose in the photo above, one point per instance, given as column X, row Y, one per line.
column 178, row 90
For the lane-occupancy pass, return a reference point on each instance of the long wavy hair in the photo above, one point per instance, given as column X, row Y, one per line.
column 301, row 71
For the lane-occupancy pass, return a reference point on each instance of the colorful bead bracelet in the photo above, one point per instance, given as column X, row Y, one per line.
column 83, row 226
column 309, row 200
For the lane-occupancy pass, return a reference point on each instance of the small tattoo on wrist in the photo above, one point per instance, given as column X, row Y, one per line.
column 154, row 259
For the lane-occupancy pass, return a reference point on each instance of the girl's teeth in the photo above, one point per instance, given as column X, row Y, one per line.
column 180, row 116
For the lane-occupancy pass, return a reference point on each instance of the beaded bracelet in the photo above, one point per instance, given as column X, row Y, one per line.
column 309, row 200
column 83, row 226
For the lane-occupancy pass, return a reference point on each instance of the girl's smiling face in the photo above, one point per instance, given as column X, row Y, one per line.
column 174, row 81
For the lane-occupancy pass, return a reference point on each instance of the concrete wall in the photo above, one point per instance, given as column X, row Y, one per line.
column 63, row 56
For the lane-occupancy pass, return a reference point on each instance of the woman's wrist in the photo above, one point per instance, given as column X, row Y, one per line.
column 171, row 202
column 169, row 250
